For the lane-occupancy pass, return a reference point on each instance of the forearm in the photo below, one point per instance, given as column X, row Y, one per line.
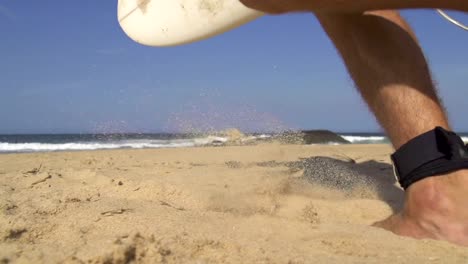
column 365, row 5
column 346, row 6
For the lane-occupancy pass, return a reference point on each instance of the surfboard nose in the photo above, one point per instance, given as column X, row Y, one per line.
column 176, row 22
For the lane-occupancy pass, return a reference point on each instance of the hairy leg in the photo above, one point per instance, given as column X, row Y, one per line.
column 333, row 6
column 389, row 68
column 386, row 63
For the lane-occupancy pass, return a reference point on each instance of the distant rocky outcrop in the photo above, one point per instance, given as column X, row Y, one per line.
column 322, row 136
column 311, row 137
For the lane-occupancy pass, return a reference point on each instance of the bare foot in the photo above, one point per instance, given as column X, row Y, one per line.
column 435, row 208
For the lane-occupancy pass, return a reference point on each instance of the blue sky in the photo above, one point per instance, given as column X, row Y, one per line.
column 66, row 66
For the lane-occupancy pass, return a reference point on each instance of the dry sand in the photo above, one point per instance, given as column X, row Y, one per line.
column 251, row 204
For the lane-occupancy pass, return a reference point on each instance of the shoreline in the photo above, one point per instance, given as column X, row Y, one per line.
column 352, row 145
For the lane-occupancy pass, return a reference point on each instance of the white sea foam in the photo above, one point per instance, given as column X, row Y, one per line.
column 7, row 147
column 129, row 144
column 253, row 138
column 364, row 139
column 375, row 139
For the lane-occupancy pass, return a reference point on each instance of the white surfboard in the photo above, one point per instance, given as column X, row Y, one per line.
column 175, row 22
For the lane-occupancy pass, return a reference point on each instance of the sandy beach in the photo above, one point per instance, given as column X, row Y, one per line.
column 268, row 203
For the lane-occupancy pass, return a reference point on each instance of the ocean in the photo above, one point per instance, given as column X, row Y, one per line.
column 77, row 142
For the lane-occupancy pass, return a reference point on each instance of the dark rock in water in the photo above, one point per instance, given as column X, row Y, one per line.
column 322, row 136
column 311, row 137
